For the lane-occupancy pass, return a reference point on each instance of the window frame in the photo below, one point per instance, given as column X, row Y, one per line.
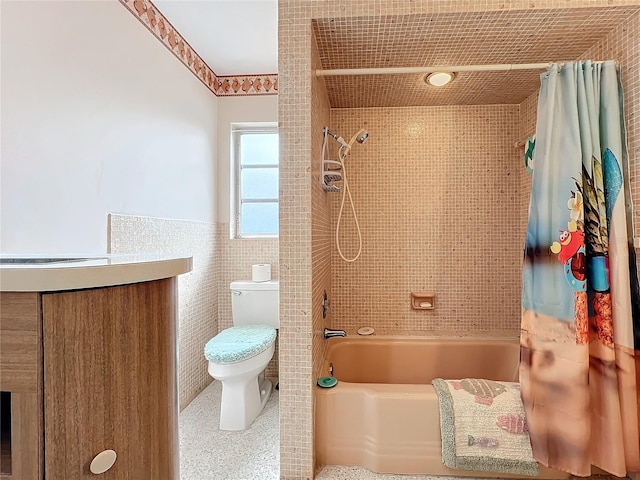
column 237, row 131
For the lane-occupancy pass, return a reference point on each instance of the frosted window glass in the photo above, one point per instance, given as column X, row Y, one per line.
column 255, row 206
column 259, row 183
column 259, row 149
column 259, row 218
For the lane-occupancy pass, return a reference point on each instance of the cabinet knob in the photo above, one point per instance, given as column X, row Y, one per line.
column 102, row 462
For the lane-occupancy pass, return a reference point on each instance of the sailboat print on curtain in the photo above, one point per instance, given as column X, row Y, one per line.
column 580, row 283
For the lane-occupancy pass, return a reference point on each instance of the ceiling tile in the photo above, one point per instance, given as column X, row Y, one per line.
column 467, row 38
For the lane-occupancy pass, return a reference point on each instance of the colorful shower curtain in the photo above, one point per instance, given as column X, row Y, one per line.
column 580, row 339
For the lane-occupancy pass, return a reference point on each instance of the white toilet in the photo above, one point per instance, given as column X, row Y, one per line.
column 238, row 355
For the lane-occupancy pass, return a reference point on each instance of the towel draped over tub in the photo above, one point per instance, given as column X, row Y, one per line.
column 483, row 426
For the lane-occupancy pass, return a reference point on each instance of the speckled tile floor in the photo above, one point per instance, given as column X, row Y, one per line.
column 207, row 453
column 335, row 472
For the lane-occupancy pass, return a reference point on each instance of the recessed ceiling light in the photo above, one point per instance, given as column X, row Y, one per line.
column 438, row 79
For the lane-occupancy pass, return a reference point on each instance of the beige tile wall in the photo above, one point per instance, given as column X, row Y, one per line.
column 528, row 112
column 623, row 44
column 528, row 116
column 320, row 220
column 295, row 249
column 236, row 257
column 437, row 196
column 320, row 216
column 204, row 300
column 296, row 324
column 197, row 290
column 428, row 39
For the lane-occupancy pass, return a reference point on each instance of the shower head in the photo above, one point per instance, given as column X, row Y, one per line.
column 361, row 136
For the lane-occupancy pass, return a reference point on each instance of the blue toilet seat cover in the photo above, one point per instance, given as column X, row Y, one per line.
column 235, row 344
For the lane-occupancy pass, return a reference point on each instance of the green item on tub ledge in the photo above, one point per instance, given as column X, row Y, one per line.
column 327, row 382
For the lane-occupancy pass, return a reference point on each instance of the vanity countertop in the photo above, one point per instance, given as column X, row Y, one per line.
column 48, row 273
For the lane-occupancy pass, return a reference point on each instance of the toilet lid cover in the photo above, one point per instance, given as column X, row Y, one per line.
column 239, row 343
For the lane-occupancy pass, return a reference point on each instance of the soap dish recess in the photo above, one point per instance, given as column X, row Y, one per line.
column 423, row 300
column 366, row 331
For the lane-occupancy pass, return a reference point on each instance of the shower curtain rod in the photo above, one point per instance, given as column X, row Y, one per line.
column 456, row 68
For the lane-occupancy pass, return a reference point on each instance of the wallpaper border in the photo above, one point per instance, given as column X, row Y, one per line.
column 228, row 85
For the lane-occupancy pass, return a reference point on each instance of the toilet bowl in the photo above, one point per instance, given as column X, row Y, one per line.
column 239, row 355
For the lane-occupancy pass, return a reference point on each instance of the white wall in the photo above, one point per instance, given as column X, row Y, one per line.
column 97, row 117
column 237, row 110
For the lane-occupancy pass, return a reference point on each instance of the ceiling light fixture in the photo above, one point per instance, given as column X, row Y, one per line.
column 438, row 79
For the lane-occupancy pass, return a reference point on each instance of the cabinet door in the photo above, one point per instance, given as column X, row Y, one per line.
column 110, row 381
column 21, row 377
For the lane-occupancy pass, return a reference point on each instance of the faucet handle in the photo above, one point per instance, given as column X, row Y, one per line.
column 326, row 305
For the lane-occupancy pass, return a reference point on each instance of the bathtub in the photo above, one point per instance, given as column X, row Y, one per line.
column 383, row 414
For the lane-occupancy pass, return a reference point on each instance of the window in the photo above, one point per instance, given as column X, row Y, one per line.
column 255, row 158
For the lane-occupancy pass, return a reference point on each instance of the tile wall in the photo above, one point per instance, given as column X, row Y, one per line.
column 528, row 112
column 296, row 323
column 528, row 115
column 428, row 39
column 204, row 299
column 623, row 44
column 236, row 257
column 197, row 290
column 321, row 240
column 297, row 339
column 437, row 196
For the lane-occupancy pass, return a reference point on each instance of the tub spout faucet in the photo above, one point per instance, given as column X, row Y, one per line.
column 328, row 333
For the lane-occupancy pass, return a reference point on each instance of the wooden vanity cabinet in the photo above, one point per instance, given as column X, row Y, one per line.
column 21, row 377
column 108, row 382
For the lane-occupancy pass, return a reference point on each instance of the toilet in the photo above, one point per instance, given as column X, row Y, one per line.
column 238, row 355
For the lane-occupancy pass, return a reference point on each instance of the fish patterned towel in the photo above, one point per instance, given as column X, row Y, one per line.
column 483, row 426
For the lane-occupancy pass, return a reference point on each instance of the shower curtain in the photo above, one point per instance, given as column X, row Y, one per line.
column 580, row 337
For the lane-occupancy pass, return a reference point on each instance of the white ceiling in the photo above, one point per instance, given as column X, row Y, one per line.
column 234, row 37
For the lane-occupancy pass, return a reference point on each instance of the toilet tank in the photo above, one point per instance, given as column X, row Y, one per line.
column 254, row 303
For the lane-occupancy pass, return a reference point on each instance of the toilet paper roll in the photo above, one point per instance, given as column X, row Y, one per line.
column 261, row 272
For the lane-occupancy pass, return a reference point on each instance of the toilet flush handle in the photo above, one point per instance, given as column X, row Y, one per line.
column 236, row 292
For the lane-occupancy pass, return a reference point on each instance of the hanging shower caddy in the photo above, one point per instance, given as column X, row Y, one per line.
column 330, row 175
column 330, row 168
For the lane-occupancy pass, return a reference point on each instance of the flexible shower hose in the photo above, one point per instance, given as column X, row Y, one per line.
column 347, row 191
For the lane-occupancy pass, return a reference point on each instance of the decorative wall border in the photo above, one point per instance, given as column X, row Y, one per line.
column 149, row 15
column 247, row 85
